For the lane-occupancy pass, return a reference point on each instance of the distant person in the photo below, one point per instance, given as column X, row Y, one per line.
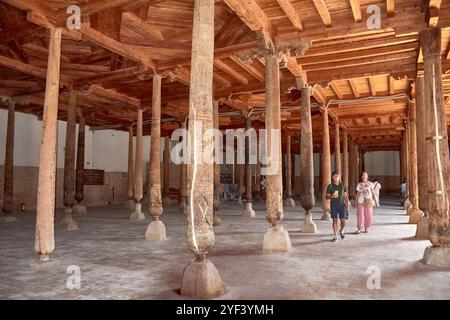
column 404, row 191
column 377, row 188
column 365, row 199
column 337, row 193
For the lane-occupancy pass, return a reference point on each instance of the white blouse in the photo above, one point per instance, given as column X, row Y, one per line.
column 365, row 190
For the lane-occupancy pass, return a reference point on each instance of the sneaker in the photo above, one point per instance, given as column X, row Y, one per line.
column 334, row 239
column 358, row 231
column 342, row 235
column 366, row 231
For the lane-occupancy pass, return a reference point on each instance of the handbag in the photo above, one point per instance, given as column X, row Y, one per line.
column 369, row 203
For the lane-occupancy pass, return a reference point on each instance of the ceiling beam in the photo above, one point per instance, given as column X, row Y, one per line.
column 356, row 9
column 251, row 14
column 249, row 68
column 354, row 87
column 323, row 12
column 390, row 7
column 373, row 86
column 230, row 71
column 432, row 14
column 291, row 13
column 336, row 90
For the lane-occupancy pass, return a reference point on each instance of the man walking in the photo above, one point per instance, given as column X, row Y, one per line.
column 337, row 193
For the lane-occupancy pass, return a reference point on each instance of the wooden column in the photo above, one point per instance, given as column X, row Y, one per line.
column 79, row 174
column 362, row 161
column 293, row 174
column 156, row 230
column 249, row 212
column 130, row 205
column 276, row 238
column 45, row 209
column 258, row 194
column 307, row 162
column 137, row 214
column 319, row 193
column 8, row 178
column 345, row 158
column 414, row 212
column 183, row 186
column 69, row 162
column 352, row 171
column 166, row 171
column 240, row 172
column 200, row 278
column 406, row 163
column 326, row 164
column 217, row 220
column 337, row 149
column 422, row 155
column 289, row 201
column 438, row 165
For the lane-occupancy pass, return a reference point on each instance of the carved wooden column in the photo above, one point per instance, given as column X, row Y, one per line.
column 130, row 204
column 438, row 165
column 217, row 220
column 183, row 185
column 200, row 278
column 79, row 173
column 156, row 230
column 406, row 163
column 8, row 177
column 326, row 165
column 352, row 171
column 258, row 194
column 337, row 149
column 69, row 162
column 276, row 238
column 345, row 158
column 307, row 161
column 415, row 214
column 289, row 201
column 45, row 209
column 249, row 212
column 166, row 171
column 137, row 214
column 422, row 158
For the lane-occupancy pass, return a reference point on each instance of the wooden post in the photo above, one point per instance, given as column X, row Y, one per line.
column 289, row 201
column 130, row 204
column 337, row 149
column 200, row 278
column 249, row 212
column 293, row 175
column 8, row 178
column 438, row 165
column 137, row 214
column 69, row 162
column 307, row 162
column 258, row 193
column 414, row 212
column 156, row 230
column 276, row 238
column 217, row 220
column 345, row 158
column 326, row 165
column 79, row 174
column 166, row 171
column 183, row 186
column 406, row 163
column 240, row 172
column 352, row 173
column 45, row 209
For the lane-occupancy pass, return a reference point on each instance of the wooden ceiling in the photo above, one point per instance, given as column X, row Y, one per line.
column 365, row 76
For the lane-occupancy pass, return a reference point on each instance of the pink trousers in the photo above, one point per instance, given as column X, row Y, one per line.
column 364, row 217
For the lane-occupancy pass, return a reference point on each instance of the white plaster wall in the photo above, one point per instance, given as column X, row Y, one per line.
column 386, row 163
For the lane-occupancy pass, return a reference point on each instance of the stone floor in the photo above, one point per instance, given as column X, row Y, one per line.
column 117, row 263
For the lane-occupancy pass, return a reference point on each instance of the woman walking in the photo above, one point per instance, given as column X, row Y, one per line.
column 366, row 200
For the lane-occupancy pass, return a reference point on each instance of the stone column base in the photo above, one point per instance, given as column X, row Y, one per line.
column 156, row 231
column 422, row 228
column 249, row 212
column 137, row 214
column 309, row 226
column 289, row 202
column 68, row 223
column 437, row 256
column 276, row 239
column 415, row 215
column 201, row 280
column 130, row 205
column 217, row 221
column 79, row 209
column 326, row 216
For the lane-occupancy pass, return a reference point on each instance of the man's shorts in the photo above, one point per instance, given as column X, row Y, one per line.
column 341, row 211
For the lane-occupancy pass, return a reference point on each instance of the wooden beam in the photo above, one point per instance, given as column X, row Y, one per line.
column 230, row 71
column 319, row 95
column 373, row 87
column 251, row 14
column 249, row 68
column 114, row 95
column 336, row 90
column 432, row 14
column 390, row 7
column 323, row 12
column 391, row 86
column 354, row 87
column 136, row 22
column 356, row 9
column 291, row 13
